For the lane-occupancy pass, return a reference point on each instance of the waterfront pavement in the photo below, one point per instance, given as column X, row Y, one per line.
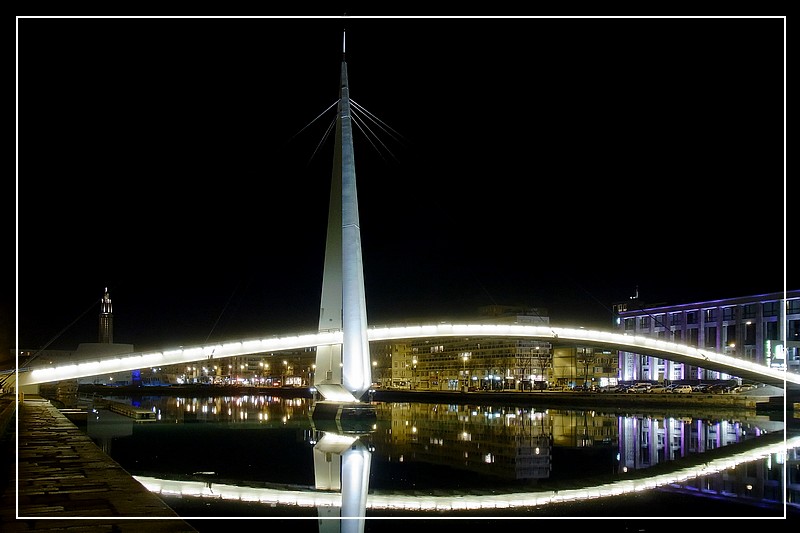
column 66, row 483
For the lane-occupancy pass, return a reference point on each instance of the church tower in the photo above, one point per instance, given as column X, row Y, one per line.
column 106, row 329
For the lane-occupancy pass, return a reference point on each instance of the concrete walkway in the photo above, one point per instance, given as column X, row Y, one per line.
column 66, row 483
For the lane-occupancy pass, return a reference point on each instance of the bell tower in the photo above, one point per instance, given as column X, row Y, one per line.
column 106, row 327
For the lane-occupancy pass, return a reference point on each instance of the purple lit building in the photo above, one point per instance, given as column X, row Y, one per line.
column 763, row 328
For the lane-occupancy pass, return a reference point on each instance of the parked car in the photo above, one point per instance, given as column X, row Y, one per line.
column 682, row 389
column 658, row 388
column 639, row 387
column 613, row 388
column 720, row 388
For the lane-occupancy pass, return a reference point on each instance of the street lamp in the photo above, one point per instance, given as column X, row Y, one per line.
column 464, row 357
column 529, row 377
column 586, row 359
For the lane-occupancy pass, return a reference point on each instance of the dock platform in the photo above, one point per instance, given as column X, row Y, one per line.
column 136, row 413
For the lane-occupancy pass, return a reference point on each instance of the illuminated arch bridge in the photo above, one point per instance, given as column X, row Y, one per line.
column 603, row 339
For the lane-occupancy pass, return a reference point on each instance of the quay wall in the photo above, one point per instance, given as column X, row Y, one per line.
column 65, row 482
column 762, row 398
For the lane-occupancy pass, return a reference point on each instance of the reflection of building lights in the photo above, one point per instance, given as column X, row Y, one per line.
column 621, row 487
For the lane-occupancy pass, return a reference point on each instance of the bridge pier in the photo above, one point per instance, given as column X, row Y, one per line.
column 343, row 417
column 343, row 372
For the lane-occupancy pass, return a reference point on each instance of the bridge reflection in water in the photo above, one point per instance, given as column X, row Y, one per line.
column 438, row 458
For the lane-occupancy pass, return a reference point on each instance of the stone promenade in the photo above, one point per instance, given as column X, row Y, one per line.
column 66, row 483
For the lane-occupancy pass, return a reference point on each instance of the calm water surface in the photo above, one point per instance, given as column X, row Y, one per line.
column 262, row 456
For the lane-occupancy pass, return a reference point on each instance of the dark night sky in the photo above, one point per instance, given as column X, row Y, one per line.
column 557, row 163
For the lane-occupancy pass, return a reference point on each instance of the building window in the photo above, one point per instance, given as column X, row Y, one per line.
column 770, row 308
column 771, row 331
column 793, row 331
column 793, row 307
column 691, row 317
column 750, row 333
column 749, row 311
column 675, row 319
column 711, row 315
column 711, row 336
column 728, row 313
column 630, row 324
column 644, row 322
column 693, row 336
column 730, row 334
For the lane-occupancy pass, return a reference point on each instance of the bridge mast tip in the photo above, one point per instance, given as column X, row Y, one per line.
column 344, row 34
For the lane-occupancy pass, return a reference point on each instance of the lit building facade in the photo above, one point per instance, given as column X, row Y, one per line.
column 491, row 363
column 763, row 328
